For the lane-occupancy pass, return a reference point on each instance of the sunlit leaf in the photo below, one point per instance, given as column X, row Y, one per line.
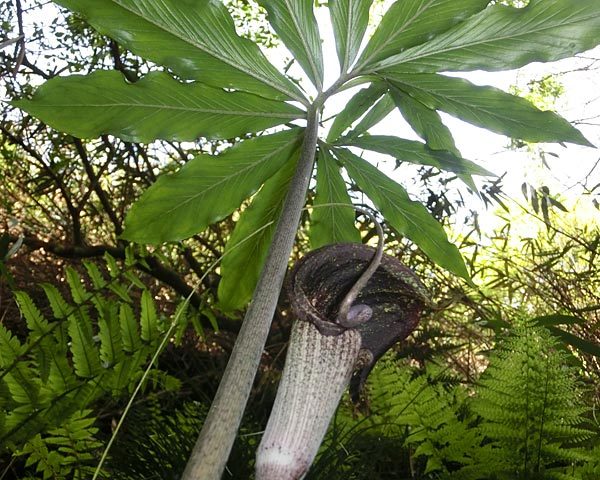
column 295, row 22
column 504, row 38
column 349, row 19
column 354, row 109
column 380, row 110
column 335, row 223
column 207, row 189
column 247, row 248
column 417, row 153
column 196, row 39
column 410, row 22
column 488, row 107
column 156, row 107
column 408, row 217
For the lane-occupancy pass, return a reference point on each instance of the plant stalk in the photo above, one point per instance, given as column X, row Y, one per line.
column 211, row 451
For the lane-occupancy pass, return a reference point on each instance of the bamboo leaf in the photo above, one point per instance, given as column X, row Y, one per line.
column 504, row 38
column 156, row 107
column 408, row 217
column 207, row 189
column 196, row 39
column 243, row 262
column 295, row 22
column 411, row 22
column 349, row 19
column 331, row 224
column 417, row 153
column 488, row 107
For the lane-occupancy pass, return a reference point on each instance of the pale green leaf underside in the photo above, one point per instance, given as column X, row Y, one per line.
column 427, row 123
column 295, row 22
column 410, row 22
column 247, row 248
column 156, row 107
column 207, row 189
column 354, row 109
column 488, row 107
column 380, row 110
column 417, row 153
column 349, row 19
column 408, row 217
column 196, row 39
column 333, row 223
column 504, row 38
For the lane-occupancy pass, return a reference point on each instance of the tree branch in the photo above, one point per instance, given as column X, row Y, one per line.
column 213, row 446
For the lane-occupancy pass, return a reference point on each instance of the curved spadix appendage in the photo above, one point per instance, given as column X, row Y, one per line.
column 325, row 354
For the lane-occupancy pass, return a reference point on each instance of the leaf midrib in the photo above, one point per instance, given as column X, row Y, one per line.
column 388, row 63
column 401, row 30
column 305, row 44
column 462, row 104
column 247, row 113
column 213, row 54
column 237, row 173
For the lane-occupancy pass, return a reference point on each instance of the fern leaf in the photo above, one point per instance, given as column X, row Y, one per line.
column 109, row 333
column 129, row 329
column 36, row 323
column 95, row 275
column 74, row 280
column 85, row 354
column 148, row 318
column 60, row 308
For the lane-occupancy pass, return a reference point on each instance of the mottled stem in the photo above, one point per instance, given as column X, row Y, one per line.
column 212, row 448
column 316, row 373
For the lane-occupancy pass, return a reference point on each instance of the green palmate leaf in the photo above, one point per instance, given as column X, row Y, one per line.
column 295, row 22
column 207, row 189
column 488, row 107
column 354, row 109
column 503, row 38
column 379, row 111
column 331, row 224
column 408, row 217
column 417, row 153
column 349, row 19
column 247, row 249
column 411, row 22
column 156, row 107
column 196, row 39
column 425, row 121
